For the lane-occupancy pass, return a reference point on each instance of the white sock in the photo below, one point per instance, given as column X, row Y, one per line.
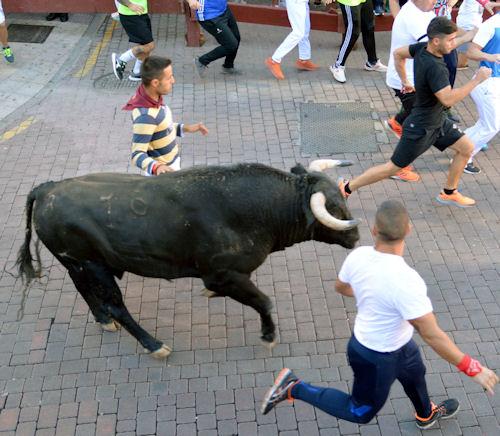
column 137, row 67
column 127, row 56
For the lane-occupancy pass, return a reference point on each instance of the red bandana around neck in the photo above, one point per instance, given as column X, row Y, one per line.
column 142, row 99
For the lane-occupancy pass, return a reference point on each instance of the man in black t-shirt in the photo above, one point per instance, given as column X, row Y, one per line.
column 427, row 124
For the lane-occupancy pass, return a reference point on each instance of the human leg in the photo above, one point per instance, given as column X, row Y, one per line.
column 374, row 374
column 4, row 38
column 453, row 138
column 367, row 25
column 486, row 96
column 233, row 26
column 352, row 23
column 297, row 10
column 220, row 30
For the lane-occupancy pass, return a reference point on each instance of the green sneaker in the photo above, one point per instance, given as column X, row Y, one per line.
column 8, row 55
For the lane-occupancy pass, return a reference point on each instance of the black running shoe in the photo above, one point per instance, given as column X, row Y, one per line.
column 280, row 391
column 471, row 169
column 444, row 410
column 118, row 66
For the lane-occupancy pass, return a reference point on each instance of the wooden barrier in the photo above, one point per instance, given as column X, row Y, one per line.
column 244, row 13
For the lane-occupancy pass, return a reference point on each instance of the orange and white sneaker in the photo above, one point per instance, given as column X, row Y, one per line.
column 306, row 65
column 406, row 174
column 341, row 184
column 455, row 199
column 275, row 68
column 392, row 125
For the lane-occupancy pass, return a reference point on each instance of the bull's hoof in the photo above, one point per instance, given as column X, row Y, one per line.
column 270, row 345
column 269, row 340
column 112, row 326
column 208, row 293
column 162, row 352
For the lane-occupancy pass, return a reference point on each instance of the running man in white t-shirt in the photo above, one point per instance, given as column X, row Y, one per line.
column 392, row 301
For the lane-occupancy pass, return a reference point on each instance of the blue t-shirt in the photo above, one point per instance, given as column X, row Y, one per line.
column 488, row 37
column 210, row 9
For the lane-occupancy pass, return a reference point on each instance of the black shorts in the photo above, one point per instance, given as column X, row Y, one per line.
column 138, row 28
column 417, row 140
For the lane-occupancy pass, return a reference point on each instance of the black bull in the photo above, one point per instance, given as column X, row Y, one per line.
column 215, row 223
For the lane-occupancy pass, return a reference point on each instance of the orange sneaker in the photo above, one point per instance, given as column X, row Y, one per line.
column 341, row 184
column 455, row 199
column 392, row 125
column 306, row 65
column 275, row 68
column 406, row 174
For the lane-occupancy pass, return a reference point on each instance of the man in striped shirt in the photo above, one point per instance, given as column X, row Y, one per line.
column 154, row 144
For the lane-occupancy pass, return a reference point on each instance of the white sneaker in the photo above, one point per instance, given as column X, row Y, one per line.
column 115, row 16
column 379, row 66
column 338, row 73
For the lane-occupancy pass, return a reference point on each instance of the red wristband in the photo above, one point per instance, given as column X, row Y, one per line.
column 482, row 2
column 469, row 366
column 155, row 167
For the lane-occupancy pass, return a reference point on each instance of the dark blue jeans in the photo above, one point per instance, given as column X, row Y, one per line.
column 374, row 374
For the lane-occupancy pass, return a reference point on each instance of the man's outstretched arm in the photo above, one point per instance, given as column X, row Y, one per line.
column 440, row 342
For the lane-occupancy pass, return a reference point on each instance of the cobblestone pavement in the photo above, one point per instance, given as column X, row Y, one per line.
column 60, row 374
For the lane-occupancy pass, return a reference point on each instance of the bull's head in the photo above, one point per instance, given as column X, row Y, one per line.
column 329, row 207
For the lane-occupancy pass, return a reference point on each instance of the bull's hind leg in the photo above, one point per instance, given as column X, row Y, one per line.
column 107, row 291
column 86, row 287
column 239, row 287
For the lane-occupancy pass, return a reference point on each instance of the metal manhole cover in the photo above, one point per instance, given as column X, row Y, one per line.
column 331, row 128
column 110, row 83
column 29, row 33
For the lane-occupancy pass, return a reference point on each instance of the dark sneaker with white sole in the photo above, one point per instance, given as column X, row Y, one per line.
column 118, row 66
column 280, row 391
column 471, row 169
column 444, row 410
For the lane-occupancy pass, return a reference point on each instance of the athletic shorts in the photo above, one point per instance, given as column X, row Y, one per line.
column 138, row 28
column 417, row 140
column 2, row 15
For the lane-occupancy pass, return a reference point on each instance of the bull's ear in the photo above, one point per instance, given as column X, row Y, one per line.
column 298, row 169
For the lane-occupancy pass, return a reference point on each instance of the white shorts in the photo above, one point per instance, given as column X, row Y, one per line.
column 2, row 15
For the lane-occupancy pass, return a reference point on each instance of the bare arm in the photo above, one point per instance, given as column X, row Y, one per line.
column 394, row 7
column 400, row 56
column 344, row 288
column 450, row 96
column 465, row 36
column 440, row 342
column 476, row 54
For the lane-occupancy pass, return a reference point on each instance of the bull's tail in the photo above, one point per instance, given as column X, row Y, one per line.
column 24, row 260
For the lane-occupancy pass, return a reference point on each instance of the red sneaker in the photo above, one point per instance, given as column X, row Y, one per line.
column 392, row 125
column 275, row 68
column 306, row 65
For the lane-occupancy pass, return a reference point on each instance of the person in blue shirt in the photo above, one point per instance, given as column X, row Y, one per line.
column 218, row 20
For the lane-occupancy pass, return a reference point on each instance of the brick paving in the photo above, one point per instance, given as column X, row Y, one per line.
column 61, row 375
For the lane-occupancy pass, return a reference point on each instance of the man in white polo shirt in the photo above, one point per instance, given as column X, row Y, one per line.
column 392, row 300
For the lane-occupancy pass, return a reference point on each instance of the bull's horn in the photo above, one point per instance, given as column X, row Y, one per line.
column 323, row 164
column 318, row 208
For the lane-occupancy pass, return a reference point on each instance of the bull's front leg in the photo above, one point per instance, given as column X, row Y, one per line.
column 239, row 287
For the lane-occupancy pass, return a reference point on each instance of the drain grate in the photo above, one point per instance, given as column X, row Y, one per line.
column 332, row 128
column 29, row 33
column 110, row 83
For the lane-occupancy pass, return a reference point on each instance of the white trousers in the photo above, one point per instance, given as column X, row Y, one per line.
column 298, row 15
column 487, row 98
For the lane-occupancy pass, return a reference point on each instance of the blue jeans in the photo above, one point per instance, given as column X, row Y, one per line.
column 374, row 374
